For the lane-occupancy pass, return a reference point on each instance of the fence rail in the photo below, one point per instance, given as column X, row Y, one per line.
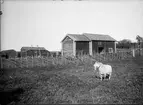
column 30, row 62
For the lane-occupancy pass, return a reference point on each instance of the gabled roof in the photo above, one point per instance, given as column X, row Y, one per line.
column 99, row 37
column 89, row 37
column 76, row 37
column 139, row 38
column 32, row 48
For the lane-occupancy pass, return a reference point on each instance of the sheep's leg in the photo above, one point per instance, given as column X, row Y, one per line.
column 109, row 76
column 101, row 76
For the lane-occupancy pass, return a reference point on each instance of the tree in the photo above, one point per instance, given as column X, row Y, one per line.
column 125, row 43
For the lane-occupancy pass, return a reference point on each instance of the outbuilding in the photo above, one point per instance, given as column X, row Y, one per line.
column 8, row 53
column 86, row 43
column 34, row 51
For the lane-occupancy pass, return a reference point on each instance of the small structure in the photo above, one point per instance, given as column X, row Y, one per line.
column 140, row 41
column 86, row 43
column 139, row 45
column 8, row 53
column 134, row 45
column 34, row 51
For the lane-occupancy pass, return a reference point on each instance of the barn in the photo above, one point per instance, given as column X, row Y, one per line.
column 87, row 43
column 34, row 51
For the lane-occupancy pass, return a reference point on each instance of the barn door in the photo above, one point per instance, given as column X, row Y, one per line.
column 100, row 49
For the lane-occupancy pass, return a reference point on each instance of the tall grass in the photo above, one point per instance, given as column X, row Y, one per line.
column 48, row 62
column 58, row 82
column 60, row 62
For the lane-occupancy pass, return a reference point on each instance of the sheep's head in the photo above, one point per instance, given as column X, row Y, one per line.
column 97, row 65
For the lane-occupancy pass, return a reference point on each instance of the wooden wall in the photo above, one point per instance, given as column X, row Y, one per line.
column 110, row 45
column 8, row 54
column 94, row 47
column 33, row 53
column 67, row 46
column 141, row 44
column 104, row 44
column 82, row 47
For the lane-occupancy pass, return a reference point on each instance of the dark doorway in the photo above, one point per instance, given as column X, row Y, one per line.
column 100, row 49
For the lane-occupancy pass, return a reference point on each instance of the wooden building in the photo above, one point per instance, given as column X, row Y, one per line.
column 139, row 41
column 74, row 44
column 34, row 51
column 134, row 45
column 8, row 53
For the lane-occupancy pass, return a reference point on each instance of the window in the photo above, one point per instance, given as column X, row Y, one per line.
column 110, row 50
column 99, row 43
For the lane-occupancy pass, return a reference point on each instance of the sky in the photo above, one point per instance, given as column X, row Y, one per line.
column 45, row 23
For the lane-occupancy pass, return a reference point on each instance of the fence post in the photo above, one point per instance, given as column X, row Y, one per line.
column 133, row 52
column 15, row 61
column 1, row 63
column 32, row 61
column 27, row 62
column 47, row 61
column 21, row 62
column 42, row 61
column 141, row 52
column 121, row 55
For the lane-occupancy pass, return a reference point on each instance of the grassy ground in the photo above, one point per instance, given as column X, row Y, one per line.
column 77, row 84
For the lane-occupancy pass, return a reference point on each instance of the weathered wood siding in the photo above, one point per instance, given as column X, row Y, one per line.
column 82, row 47
column 94, row 47
column 141, row 44
column 105, row 44
column 8, row 54
column 34, row 53
column 67, row 46
column 110, row 45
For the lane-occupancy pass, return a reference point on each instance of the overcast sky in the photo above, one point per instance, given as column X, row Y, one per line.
column 45, row 23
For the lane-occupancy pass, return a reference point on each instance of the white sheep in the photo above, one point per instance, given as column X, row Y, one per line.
column 103, row 70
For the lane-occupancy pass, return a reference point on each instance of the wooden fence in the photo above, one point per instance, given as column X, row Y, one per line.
column 30, row 62
column 111, row 56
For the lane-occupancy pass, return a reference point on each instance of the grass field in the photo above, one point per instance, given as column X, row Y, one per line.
column 77, row 84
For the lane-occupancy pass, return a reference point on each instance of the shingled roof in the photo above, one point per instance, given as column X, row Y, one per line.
column 78, row 37
column 32, row 48
column 99, row 37
column 89, row 37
